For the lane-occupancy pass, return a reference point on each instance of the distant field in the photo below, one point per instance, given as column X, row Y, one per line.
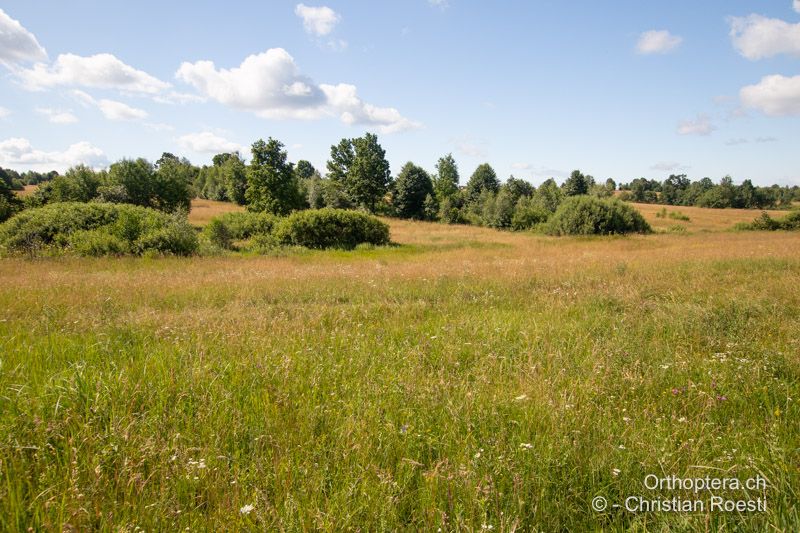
column 467, row 379
column 29, row 189
column 204, row 210
column 701, row 218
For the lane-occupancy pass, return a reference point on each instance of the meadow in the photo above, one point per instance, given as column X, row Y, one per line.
column 464, row 379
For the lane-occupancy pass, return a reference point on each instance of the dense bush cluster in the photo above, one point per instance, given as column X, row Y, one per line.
column 331, row 228
column 790, row 222
column 97, row 229
column 587, row 215
column 315, row 228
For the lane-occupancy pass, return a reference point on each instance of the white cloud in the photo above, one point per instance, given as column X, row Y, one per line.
column 657, row 42
column 111, row 109
column 18, row 153
column 699, row 126
column 270, row 85
column 757, row 37
column 470, row 146
column 796, row 5
column 343, row 98
column 100, row 71
column 769, row 139
column 207, row 142
column 18, row 45
column 317, row 20
column 774, row 95
column 4, row 112
column 669, row 166
column 442, row 4
column 521, row 166
column 56, row 116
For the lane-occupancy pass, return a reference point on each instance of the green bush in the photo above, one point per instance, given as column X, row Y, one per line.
column 245, row 224
column 331, row 228
column 218, row 233
column 98, row 229
column 587, row 215
column 527, row 214
column 765, row 222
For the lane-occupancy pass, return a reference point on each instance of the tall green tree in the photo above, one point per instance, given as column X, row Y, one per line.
column 304, row 169
column 446, row 179
column 577, row 184
column 173, row 178
column 234, row 175
column 483, row 179
column 361, row 167
column 412, row 186
column 271, row 183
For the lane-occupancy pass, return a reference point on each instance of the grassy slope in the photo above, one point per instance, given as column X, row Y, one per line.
column 467, row 378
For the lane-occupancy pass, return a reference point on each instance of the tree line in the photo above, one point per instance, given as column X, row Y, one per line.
column 358, row 177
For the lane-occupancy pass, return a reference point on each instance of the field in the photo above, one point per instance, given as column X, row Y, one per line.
column 466, row 379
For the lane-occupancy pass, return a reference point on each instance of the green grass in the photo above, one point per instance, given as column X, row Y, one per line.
column 376, row 392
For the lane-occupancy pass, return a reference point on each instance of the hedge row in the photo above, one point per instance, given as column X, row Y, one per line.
column 790, row 222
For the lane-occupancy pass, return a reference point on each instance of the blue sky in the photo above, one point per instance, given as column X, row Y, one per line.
column 617, row 89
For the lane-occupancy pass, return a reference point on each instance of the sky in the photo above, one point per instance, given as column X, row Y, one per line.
column 619, row 89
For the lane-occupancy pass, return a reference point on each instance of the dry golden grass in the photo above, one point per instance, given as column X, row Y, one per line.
column 701, row 218
column 28, row 190
column 204, row 210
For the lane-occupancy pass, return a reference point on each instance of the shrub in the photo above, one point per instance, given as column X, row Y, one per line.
column 218, row 234
column 527, row 214
column 766, row 222
column 246, row 224
column 331, row 228
column 587, row 215
column 98, row 229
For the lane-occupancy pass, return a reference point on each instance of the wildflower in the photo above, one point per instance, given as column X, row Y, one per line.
column 721, row 397
column 246, row 509
column 521, row 397
column 621, row 446
column 615, row 472
column 526, row 445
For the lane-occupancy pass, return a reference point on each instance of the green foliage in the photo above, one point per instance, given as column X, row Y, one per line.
column 518, row 188
column 445, row 182
column 331, row 228
column 304, row 170
column 548, row 196
column 9, row 203
column 165, row 187
column 588, row 215
column 528, row 213
column 450, row 211
column 360, row 166
column 483, row 179
column 271, row 183
column 412, row 187
column 79, row 184
column 577, row 184
column 790, row 222
column 218, row 234
column 243, row 225
column 91, row 228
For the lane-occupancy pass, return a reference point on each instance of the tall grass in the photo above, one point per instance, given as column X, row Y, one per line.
column 466, row 380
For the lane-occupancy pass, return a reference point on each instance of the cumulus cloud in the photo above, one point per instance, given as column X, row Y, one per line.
column 207, row 142
column 317, row 20
column 757, row 37
column 774, row 95
column 100, row 71
column 699, row 126
column 657, row 42
column 18, row 45
column 270, row 85
column 18, row 152
column 111, row 109
column 56, row 116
